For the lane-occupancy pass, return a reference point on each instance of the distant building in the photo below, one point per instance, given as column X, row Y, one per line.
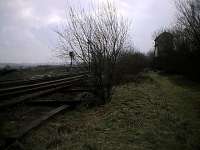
column 163, row 44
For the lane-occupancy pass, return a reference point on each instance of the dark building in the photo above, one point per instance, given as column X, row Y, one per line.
column 163, row 44
column 164, row 50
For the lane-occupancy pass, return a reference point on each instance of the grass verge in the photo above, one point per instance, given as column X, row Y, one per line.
column 157, row 113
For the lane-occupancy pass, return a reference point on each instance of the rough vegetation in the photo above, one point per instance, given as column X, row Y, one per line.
column 96, row 39
column 159, row 112
column 129, row 65
column 183, row 58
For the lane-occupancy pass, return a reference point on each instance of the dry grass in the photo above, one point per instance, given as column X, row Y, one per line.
column 157, row 113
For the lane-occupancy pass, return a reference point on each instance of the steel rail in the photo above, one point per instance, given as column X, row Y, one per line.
column 6, row 92
column 13, row 140
column 15, row 88
column 4, row 84
column 36, row 91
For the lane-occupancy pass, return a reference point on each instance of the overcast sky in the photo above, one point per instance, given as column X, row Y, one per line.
column 27, row 26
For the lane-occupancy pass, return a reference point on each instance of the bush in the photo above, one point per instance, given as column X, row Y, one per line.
column 129, row 65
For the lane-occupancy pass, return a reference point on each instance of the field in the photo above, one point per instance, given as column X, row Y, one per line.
column 158, row 112
column 33, row 72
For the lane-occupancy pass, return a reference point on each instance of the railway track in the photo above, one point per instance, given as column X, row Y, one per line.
column 22, row 118
column 24, row 91
column 10, row 83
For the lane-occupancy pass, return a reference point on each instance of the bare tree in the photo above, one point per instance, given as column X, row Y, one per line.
column 189, row 20
column 96, row 38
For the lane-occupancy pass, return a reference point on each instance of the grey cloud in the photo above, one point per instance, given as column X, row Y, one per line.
column 26, row 28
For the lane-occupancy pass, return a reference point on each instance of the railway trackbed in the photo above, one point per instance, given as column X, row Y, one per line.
column 23, row 107
column 22, row 92
column 16, row 123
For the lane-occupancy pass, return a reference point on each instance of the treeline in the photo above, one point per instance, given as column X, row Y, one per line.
column 185, row 56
